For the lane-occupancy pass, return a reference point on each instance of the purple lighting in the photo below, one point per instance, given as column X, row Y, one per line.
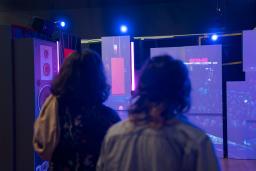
column 58, row 56
column 132, row 66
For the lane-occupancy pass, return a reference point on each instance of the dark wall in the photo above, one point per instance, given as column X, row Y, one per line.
column 6, row 101
column 168, row 18
column 173, row 17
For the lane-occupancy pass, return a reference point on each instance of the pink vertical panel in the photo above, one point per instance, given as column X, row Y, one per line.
column 132, row 66
column 117, row 75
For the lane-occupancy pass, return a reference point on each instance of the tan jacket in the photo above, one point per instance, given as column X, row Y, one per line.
column 179, row 146
column 46, row 129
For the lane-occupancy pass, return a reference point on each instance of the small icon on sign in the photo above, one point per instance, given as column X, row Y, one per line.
column 46, row 69
column 46, row 54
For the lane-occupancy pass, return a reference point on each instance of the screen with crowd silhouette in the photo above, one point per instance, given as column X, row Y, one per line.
column 205, row 67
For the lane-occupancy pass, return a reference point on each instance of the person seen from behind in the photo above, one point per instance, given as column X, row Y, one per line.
column 82, row 120
column 157, row 136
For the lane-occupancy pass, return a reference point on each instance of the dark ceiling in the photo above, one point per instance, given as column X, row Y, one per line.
column 95, row 18
column 72, row 4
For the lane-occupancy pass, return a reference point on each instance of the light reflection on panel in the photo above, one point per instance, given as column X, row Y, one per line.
column 241, row 112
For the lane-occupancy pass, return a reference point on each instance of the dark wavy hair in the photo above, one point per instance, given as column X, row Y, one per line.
column 81, row 80
column 164, row 82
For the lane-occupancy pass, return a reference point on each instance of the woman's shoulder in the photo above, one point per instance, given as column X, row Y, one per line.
column 189, row 131
column 120, row 129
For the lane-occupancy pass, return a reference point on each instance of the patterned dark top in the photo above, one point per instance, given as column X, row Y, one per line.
column 82, row 132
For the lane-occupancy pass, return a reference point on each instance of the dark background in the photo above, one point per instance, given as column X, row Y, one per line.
column 96, row 18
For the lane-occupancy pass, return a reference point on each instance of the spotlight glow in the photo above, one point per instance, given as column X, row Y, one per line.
column 214, row 37
column 123, row 29
column 62, row 24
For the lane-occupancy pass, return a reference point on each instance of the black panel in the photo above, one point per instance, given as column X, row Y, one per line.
column 6, row 100
column 25, row 103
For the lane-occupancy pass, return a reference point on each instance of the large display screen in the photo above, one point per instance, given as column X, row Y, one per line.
column 249, row 50
column 46, row 63
column 241, row 102
column 205, row 67
column 241, row 112
column 116, row 56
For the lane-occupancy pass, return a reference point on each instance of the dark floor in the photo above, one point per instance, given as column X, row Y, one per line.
column 238, row 165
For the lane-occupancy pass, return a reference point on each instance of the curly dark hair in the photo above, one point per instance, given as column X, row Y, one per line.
column 81, row 80
column 164, row 81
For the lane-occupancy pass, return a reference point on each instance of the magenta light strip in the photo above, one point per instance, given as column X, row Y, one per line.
column 132, row 66
column 58, row 56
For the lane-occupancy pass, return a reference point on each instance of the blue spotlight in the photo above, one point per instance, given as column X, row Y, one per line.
column 123, row 29
column 214, row 37
column 62, row 23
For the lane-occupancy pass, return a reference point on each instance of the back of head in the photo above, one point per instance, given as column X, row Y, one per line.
column 81, row 80
column 163, row 90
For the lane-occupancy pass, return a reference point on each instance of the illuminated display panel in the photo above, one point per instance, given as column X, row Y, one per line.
column 241, row 113
column 117, row 75
column 249, row 50
column 205, row 67
column 46, row 61
column 241, row 105
column 116, row 56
